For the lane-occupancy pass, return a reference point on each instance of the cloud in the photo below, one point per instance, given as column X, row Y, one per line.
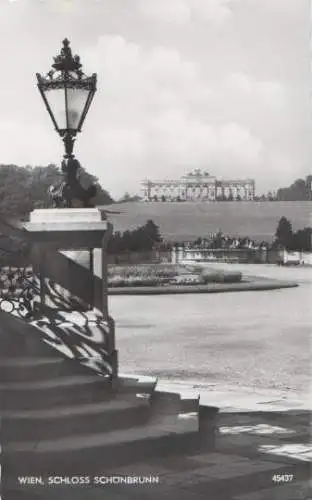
column 139, row 83
column 182, row 12
column 190, row 141
column 173, row 93
column 283, row 169
column 272, row 93
column 129, row 69
column 35, row 147
column 150, row 119
column 213, row 11
column 175, row 12
column 282, row 8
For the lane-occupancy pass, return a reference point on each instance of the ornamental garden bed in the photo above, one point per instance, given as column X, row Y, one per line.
column 162, row 275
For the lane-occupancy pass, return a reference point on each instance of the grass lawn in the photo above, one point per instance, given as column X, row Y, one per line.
column 188, row 221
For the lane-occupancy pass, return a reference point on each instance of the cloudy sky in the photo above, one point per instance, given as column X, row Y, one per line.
column 222, row 85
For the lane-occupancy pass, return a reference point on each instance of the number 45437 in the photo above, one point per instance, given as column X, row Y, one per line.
column 282, row 478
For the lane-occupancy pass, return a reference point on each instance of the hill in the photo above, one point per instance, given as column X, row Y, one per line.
column 188, row 221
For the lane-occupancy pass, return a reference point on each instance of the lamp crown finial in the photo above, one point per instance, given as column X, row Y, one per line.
column 65, row 60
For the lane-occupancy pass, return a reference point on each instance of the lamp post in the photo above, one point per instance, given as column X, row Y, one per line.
column 67, row 94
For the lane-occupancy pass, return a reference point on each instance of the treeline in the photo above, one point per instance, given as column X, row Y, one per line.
column 219, row 241
column 147, row 237
column 128, row 198
column 23, row 189
column 285, row 237
column 300, row 190
column 142, row 239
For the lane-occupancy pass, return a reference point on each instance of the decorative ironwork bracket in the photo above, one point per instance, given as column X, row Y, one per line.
column 18, row 290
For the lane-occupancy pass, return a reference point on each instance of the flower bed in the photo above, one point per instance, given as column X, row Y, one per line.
column 166, row 275
column 147, row 270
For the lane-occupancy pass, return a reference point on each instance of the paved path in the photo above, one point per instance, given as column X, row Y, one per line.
column 257, row 339
column 239, row 398
column 255, row 458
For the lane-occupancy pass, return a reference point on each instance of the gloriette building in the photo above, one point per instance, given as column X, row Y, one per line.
column 198, row 186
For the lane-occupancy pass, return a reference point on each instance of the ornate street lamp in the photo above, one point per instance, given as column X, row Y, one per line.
column 67, row 94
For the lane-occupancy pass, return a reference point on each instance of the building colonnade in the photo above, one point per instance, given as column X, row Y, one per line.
column 198, row 187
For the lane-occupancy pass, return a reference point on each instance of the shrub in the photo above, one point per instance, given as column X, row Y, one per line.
column 231, row 277
column 221, row 276
column 210, row 276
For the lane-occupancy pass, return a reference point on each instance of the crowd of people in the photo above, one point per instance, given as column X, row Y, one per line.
column 222, row 241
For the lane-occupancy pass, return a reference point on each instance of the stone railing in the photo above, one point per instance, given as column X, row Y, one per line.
column 64, row 301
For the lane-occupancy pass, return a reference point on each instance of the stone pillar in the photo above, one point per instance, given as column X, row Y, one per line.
column 263, row 255
column 180, row 255
column 105, row 239
column 173, row 255
column 67, row 289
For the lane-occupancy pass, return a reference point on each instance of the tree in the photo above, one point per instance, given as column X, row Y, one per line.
column 102, row 196
column 24, row 188
column 143, row 238
column 302, row 240
column 198, row 242
column 296, row 192
column 270, row 196
column 114, row 244
column 152, row 230
column 308, row 183
column 126, row 198
column 40, row 179
column 284, row 234
column 217, row 241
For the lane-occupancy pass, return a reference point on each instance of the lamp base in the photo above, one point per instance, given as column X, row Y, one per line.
column 70, row 193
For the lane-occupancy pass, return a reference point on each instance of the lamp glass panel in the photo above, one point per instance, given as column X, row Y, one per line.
column 76, row 102
column 56, row 102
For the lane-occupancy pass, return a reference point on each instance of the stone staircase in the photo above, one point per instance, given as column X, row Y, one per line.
column 59, row 418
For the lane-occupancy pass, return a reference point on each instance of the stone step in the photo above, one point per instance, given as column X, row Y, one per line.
column 136, row 385
column 170, row 403
column 190, row 404
column 57, row 391
column 56, row 422
column 19, row 369
column 86, row 454
column 163, row 403
column 18, row 337
column 19, row 494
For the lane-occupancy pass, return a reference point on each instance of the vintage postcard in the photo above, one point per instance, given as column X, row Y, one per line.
column 155, row 250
